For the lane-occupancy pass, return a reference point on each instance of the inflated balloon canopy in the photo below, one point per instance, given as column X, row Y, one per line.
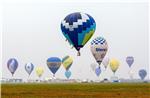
column 78, row 28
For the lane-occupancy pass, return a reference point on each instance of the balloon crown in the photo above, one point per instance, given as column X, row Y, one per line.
column 98, row 40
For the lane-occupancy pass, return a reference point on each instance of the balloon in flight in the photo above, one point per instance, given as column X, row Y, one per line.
column 99, row 49
column 142, row 73
column 114, row 64
column 105, row 62
column 12, row 65
column 39, row 71
column 93, row 66
column 78, row 28
column 98, row 71
column 68, row 74
column 29, row 68
column 130, row 60
column 53, row 64
column 67, row 62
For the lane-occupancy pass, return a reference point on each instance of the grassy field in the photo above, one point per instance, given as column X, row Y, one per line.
column 84, row 90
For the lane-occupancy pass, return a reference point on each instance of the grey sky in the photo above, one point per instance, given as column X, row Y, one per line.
column 31, row 33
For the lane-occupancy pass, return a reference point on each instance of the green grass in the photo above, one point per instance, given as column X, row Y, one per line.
column 78, row 90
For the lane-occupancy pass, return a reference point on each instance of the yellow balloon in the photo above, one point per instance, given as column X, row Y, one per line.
column 67, row 62
column 114, row 64
column 39, row 71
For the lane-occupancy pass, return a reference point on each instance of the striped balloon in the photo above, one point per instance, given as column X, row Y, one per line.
column 53, row 64
column 67, row 62
column 78, row 28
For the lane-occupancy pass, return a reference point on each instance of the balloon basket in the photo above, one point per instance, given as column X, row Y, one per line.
column 78, row 54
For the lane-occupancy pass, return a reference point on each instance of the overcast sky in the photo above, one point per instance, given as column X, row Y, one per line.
column 31, row 33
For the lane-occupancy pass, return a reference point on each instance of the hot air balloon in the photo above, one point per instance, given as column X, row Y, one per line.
column 105, row 62
column 39, row 71
column 130, row 60
column 53, row 64
column 78, row 28
column 99, row 49
column 12, row 65
column 114, row 64
column 93, row 66
column 98, row 71
column 131, row 74
column 68, row 74
column 29, row 68
column 67, row 62
column 142, row 73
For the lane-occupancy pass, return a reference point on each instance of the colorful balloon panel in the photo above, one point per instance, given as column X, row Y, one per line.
column 130, row 60
column 78, row 28
column 39, row 71
column 29, row 68
column 53, row 64
column 12, row 65
column 114, row 64
column 99, row 49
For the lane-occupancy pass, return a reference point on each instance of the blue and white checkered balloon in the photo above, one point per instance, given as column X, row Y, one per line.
column 78, row 28
column 99, row 49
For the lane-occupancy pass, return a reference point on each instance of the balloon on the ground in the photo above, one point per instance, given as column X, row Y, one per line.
column 67, row 62
column 114, row 64
column 98, row 71
column 105, row 62
column 53, row 64
column 142, row 73
column 78, row 28
column 12, row 65
column 29, row 68
column 39, row 71
column 93, row 66
column 130, row 60
column 99, row 49
column 68, row 74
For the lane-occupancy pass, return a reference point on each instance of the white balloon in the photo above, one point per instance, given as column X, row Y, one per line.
column 93, row 66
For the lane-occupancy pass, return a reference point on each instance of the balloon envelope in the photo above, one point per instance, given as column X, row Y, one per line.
column 53, row 64
column 130, row 60
column 99, row 49
column 105, row 62
column 67, row 62
column 114, row 64
column 78, row 28
column 29, row 68
column 12, row 65
column 68, row 74
column 97, row 71
column 93, row 66
column 142, row 73
column 39, row 71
